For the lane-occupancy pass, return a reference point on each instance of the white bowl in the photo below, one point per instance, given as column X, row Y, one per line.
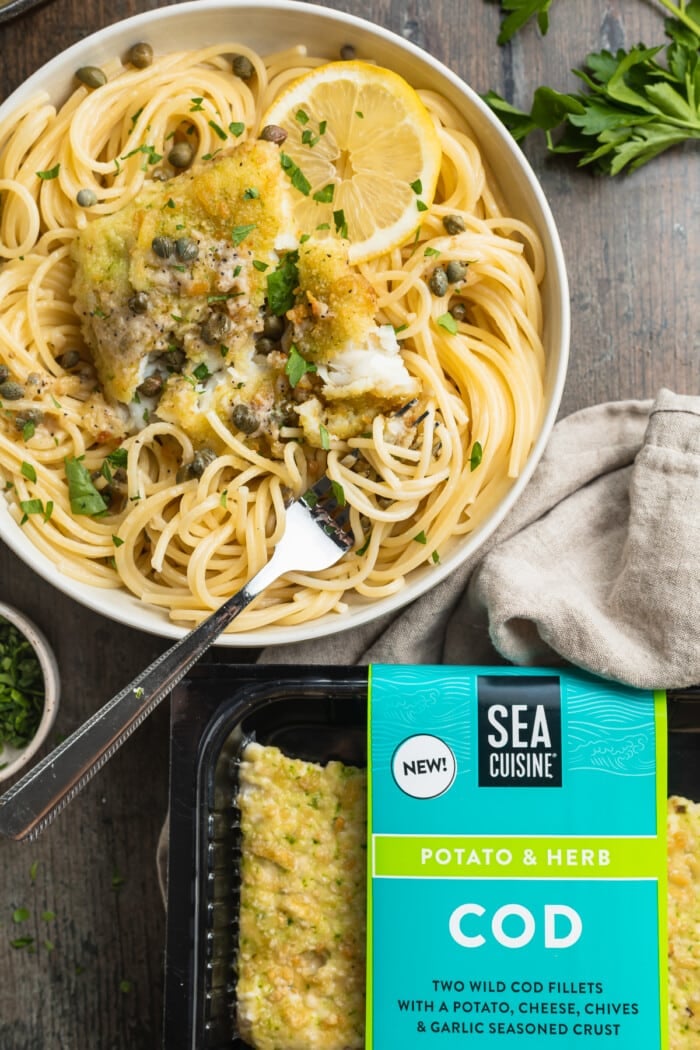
column 13, row 759
column 271, row 26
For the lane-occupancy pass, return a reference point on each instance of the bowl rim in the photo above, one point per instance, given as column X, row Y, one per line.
column 128, row 609
column 52, row 688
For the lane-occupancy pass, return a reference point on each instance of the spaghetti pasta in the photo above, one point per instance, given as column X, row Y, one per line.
column 415, row 481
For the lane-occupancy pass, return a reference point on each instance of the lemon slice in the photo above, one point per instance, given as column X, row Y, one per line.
column 362, row 153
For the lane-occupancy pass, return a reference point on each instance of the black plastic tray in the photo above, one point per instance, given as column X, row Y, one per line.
column 311, row 713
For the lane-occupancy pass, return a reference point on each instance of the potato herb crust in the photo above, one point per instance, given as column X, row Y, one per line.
column 301, row 958
column 684, row 923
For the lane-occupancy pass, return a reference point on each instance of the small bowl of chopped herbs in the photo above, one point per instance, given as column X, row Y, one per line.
column 29, row 690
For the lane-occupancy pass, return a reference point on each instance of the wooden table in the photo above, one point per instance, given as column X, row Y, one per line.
column 632, row 251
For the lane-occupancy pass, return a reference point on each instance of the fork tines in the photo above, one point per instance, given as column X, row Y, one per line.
column 327, row 506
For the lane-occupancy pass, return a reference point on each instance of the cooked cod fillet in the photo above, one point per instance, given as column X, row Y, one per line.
column 179, row 291
column 301, row 956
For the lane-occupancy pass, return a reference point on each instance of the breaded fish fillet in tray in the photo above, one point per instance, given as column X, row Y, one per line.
column 267, row 860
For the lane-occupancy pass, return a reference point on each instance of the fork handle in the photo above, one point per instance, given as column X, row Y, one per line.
column 32, row 803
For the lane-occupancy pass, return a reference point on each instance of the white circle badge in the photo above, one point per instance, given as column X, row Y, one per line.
column 423, row 766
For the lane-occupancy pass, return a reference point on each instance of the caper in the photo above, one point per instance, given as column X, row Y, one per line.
column 244, row 418
column 32, row 415
column 438, row 281
column 286, row 414
column 242, row 67
column 454, row 224
column 273, row 133
column 186, row 249
column 11, row 391
column 4, row 373
column 174, row 360
column 197, row 465
column 68, row 359
column 164, row 247
column 347, row 52
column 265, row 345
column 201, row 460
column 180, row 156
column 151, row 386
column 215, row 329
column 91, row 76
column 86, row 198
column 138, row 303
column 140, row 55
column 458, row 310
column 456, row 271
column 274, row 326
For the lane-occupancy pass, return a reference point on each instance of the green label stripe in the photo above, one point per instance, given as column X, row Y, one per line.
column 515, row 857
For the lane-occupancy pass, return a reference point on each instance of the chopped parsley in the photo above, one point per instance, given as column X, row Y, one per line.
column 239, row 233
column 296, row 367
column 28, row 471
column 363, row 549
column 21, row 697
column 325, row 196
column 22, row 942
column 295, row 174
column 476, row 455
column 217, row 129
column 281, row 284
column 152, row 155
column 341, row 226
column 119, row 457
column 448, row 322
column 34, row 506
column 51, row 173
column 84, row 497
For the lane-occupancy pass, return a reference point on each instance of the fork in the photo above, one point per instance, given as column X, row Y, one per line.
column 316, row 536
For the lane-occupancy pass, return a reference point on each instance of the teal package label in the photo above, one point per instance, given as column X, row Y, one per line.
column 517, row 861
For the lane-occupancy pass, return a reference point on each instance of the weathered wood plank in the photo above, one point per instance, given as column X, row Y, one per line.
column 632, row 252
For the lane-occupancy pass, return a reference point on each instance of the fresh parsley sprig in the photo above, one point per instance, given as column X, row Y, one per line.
column 634, row 109
column 518, row 12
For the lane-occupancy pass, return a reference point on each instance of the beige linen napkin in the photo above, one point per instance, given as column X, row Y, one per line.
column 598, row 564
